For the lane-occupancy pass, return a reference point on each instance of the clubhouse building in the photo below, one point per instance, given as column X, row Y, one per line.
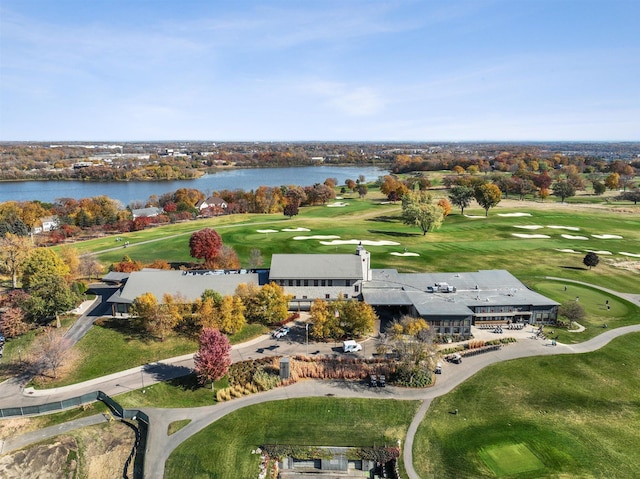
column 450, row 302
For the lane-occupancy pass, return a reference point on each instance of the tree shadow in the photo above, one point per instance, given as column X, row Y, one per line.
column 396, row 234
column 384, row 219
column 166, row 372
column 188, row 382
column 578, row 268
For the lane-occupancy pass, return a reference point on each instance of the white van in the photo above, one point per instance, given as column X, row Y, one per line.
column 351, row 346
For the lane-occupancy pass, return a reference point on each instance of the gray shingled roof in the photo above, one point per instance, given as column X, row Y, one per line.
column 315, row 266
column 187, row 284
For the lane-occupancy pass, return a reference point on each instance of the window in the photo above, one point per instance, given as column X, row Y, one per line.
column 330, row 282
column 306, row 282
column 357, row 288
column 297, row 282
column 323, row 282
column 327, row 296
column 347, row 282
column 315, row 282
column 304, row 297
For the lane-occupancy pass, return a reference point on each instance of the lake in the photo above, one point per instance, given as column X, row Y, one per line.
column 126, row 192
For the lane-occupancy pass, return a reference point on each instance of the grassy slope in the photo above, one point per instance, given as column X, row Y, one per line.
column 223, row 450
column 577, row 414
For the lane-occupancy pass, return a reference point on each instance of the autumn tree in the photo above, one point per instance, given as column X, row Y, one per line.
column 127, row 265
column 612, row 181
column 487, row 195
column 362, row 190
column 213, row 358
column 591, row 259
column 13, row 322
column 152, row 316
column 340, row 319
column 445, row 205
column 227, row 258
column 324, row 323
column 461, row 196
column 205, row 244
column 266, row 305
column 14, row 251
column 419, row 210
column 291, row 209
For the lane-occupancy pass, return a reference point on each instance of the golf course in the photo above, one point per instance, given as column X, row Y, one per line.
column 561, row 416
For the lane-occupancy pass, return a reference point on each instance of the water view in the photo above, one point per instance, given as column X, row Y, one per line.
column 127, row 192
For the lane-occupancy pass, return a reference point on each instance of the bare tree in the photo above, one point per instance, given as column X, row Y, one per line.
column 53, row 349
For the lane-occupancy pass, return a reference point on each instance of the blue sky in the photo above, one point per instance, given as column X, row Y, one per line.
column 347, row 70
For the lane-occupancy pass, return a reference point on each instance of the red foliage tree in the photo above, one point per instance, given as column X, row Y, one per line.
column 213, row 358
column 205, row 244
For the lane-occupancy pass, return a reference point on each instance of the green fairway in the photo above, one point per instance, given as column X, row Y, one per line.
column 469, row 242
column 223, row 450
column 578, row 416
column 510, row 459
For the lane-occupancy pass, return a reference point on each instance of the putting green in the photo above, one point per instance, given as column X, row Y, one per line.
column 510, row 459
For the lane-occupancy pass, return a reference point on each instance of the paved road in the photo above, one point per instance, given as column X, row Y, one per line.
column 160, row 445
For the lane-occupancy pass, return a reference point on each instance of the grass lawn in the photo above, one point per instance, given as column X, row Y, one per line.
column 112, row 345
column 621, row 312
column 565, row 416
column 179, row 393
column 223, row 450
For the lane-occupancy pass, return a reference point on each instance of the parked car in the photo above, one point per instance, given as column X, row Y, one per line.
column 455, row 358
column 382, row 381
column 373, row 382
column 281, row 332
column 351, row 346
column 438, row 369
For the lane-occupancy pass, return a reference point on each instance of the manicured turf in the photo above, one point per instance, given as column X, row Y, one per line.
column 577, row 414
column 620, row 312
column 223, row 450
column 462, row 243
column 510, row 459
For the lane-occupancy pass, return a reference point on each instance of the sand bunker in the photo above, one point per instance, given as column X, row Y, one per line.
column 294, row 230
column 607, row 236
column 574, row 237
column 474, row 217
column 514, row 214
column 315, row 237
column 395, row 253
column 364, row 242
column 572, row 228
column 630, row 254
column 599, row 251
column 523, row 235
column 267, row 231
column 385, row 202
column 529, row 227
column 567, row 250
column 337, row 204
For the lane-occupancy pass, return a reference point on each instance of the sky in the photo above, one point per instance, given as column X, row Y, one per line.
column 345, row 70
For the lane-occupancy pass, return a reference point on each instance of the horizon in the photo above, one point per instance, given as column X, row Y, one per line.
column 468, row 71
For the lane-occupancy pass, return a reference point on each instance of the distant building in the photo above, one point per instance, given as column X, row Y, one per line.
column 48, row 223
column 146, row 212
column 213, row 206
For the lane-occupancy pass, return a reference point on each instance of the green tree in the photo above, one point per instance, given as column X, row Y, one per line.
column 487, row 195
column 461, row 196
column 40, row 266
column 599, row 187
column 564, row 189
column 152, row 316
column 50, row 298
column 591, row 259
column 419, row 210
